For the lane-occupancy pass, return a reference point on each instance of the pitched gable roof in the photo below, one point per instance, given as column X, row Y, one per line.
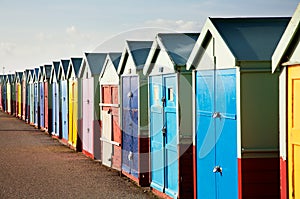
column 65, row 64
column 178, row 45
column 47, row 70
column 251, row 38
column 76, row 63
column 95, row 62
column 139, row 51
column 115, row 58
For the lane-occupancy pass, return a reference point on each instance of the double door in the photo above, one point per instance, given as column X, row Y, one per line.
column 110, row 134
column 294, row 131
column 216, row 130
column 64, row 109
column 130, row 153
column 163, row 134
column 42, row 105
column 55, row 109
column 36, row 105
column 73, row 112
column 87, row 115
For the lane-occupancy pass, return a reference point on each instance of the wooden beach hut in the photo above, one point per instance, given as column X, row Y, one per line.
column 235, row 108
column 56, row 123
column 286, row 61
column 170, row 111
column 47, row 98
column 18, row 83
column 134, row 111
column 9, row 78
column 89, row 73
column 3, row 97
column 74, row 101
column 31, row 80
column 111, row 137
column 41, row 91
column 36, row 98
column 24, row 94
column 63, row 83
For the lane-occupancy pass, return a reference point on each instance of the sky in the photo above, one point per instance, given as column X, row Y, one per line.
column 38, row 32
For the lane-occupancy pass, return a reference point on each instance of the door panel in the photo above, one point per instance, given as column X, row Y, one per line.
column 171, row 154
column 85, row 115
column 46, row 104
column 226, row 143
column 294, row 131
column 106, row 138
column 36, row 104
column 216, row 134
column 205, row 136
column 130, row 124
column 64, row 98
column 42, row 108
column 126, row 125
column 156, row 136
column 54, row 110
column 75, row 112
column 91, row 113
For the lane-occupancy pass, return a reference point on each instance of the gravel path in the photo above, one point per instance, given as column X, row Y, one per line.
column 34, row 165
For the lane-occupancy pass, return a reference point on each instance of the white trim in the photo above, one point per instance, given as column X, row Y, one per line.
column 238, row 113
column 286, row 39
column 112, row 105
column 109, row 141
column 282, row 113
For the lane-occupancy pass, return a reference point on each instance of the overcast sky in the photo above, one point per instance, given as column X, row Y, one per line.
column 37, row 32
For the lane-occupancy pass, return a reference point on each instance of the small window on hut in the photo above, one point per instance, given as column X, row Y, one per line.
column 170, row 94
column 156, row 93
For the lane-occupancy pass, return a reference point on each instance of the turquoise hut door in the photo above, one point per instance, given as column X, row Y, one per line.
column 216, row 136
column 163, row 132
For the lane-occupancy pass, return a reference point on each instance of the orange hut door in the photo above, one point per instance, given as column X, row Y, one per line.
column 294, row 131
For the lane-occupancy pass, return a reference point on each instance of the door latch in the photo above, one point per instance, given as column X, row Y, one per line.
column 218, row 169
column 130, row 94
column 217, row 115
column 164, row 130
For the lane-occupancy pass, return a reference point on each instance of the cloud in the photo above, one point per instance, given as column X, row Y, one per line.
column 7, row 48
column 176, row 25
column 44, row 36
column 71, row 30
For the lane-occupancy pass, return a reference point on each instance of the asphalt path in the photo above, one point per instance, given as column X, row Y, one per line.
column 35, row 165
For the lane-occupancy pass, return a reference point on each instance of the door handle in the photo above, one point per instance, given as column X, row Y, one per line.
column 216, row 115
column 130, row 94
column 217, row 169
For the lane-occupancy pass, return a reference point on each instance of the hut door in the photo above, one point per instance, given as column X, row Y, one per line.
column 216, row 134
column 163, row 132
column 294, row 131
column 36, row 104
column 73, row 114
column 42, row 107
column 46, row 106
column 130, row 125
column 55, row 110
column 88, row 114
column 32, row 103
column 106, row 138
column 4, row 97
column 64, row 108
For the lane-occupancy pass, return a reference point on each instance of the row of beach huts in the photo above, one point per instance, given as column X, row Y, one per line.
column 214, row 114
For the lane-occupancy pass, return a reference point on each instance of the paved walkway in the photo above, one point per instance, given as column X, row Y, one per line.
column 34, row 165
